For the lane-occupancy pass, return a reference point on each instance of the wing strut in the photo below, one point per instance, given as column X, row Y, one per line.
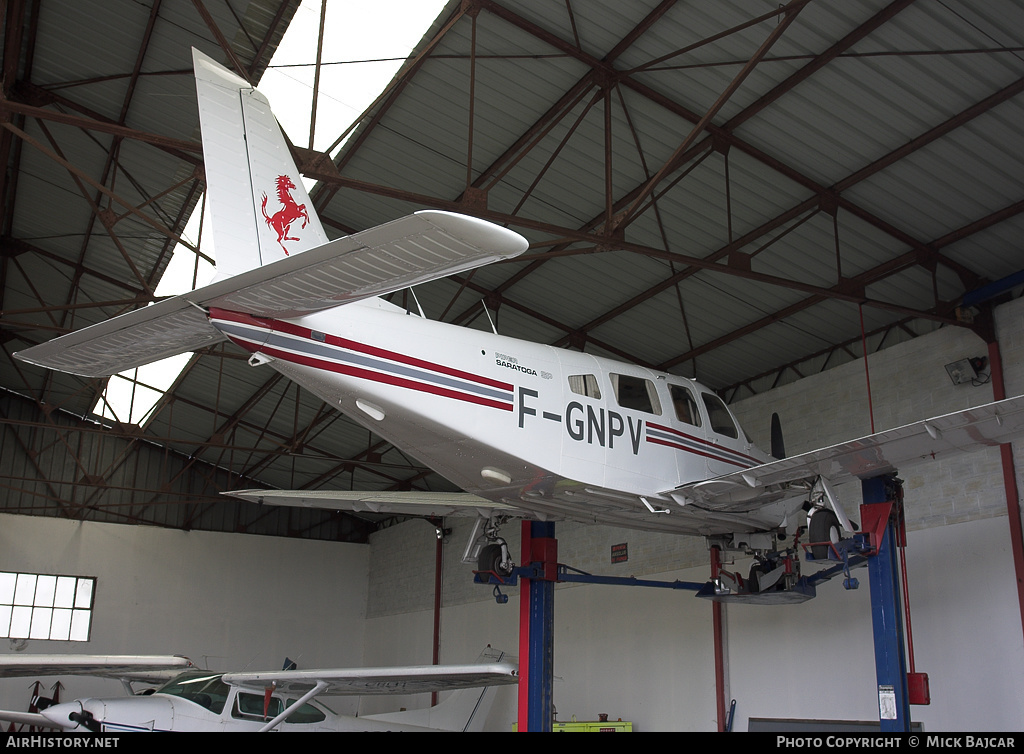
column 826, row 489
column 288, row 711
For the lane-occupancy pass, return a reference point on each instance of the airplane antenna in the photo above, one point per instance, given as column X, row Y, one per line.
column 413, row 292
column 484, row 305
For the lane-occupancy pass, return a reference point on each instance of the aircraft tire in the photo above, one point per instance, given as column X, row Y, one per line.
column 823, row 526
column 490, row 560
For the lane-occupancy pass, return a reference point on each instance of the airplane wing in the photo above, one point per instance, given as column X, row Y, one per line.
column 402, row 503
column 733, row 499
column 377, row 681
column 124, row 668
column 411, row 250
column 142, row 668
column 970, row 429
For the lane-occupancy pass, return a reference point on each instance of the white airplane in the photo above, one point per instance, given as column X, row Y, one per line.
column 527, row 430
column 203, row 701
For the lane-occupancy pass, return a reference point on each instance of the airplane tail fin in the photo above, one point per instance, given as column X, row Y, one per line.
column 262, row 219
column 254, row 190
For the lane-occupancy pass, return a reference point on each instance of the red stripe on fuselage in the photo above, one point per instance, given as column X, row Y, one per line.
column 351, row 371
column 723, row 451
column 669, row 444
column 304, row 332
column 387, row 379
column 352, row 345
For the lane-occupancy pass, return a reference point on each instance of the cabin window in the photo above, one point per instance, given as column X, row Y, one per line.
column 307, row 713
column 585, row 385
column 635, row 393
column 199, row 687
column 684, row 405
column 718, row 415
column 250, row 706
column 43, row 606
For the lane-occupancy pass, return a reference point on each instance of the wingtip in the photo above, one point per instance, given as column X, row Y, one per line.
column 480, row 233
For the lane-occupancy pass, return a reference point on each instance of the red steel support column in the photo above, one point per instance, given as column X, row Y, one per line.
column 716, row 622
column 1009, row 481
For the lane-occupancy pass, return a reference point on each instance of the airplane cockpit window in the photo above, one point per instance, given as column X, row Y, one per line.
column 200, row 687
column 636, row 393
column 684, row 404
column 718, row 415
column 250, row 707
column 585, row 385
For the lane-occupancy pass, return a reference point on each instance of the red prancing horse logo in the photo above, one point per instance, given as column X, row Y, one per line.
column 282, row 220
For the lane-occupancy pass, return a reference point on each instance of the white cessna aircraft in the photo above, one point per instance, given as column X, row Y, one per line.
column 527, row 430
column 190, row 699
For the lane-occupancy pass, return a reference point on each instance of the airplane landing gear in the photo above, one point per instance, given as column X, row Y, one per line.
column 773, row 579
column 487, row 550
column 494, row 557
column 773, row 572
column 823, row 528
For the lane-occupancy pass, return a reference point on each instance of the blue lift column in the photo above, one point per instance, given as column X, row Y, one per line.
column 880, row 514
column 537, row 626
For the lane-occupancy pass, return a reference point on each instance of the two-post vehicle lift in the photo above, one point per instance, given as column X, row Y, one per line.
column 882, row 536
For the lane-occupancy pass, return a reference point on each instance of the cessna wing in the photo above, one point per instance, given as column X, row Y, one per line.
column 429, row 504
column 378, row 681
column 124, row 668
column 491, row 669
column 184, row 704
column 141, row 668
column 971, row 429
column 411, row 250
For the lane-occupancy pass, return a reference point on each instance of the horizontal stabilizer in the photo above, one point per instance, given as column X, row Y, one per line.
column 146, row 335
column 405, row 252
column 401, row 503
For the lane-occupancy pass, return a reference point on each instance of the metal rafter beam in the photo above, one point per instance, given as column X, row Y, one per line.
column 180, row 148
column 510, row 157
column 156, row 225
column 379, row 107
column 225, row 45
column 827, row 352
column 724, row 132
column 790, row 13
column 601, row 240
column 875, row 274
column 13, row 246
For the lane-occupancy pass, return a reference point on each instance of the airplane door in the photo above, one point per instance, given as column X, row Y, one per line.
column 727, row 445
column 689, row 436
column 583, row 438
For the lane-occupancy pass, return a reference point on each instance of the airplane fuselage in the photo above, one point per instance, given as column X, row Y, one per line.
column 558, row 432
column 230, row 710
